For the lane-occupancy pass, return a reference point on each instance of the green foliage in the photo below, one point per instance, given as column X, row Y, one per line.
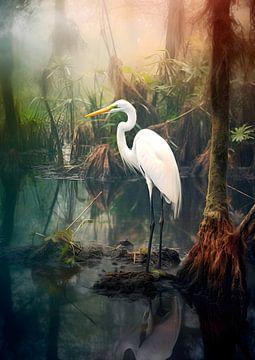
column 177, row 83
column 34, row 111
column 171, row 84
column 139, row 76
column 94, row 99
column 243, row 133
column 61, row 235
column 34, row 130
column 68, row 247
column 168, row 84
column 63, row 95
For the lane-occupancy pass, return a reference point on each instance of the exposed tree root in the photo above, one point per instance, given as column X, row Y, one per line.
column 214, row 265
column 103, row 162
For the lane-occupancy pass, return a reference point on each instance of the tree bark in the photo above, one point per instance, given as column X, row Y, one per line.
column 216, row 198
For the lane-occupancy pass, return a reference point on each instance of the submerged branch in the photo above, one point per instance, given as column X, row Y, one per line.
column 78, row 309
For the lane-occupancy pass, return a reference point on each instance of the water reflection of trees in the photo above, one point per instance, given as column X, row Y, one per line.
column 9, row 328
column 11, row 183
column 122, row 211
column 126, row 207
column 36, row 319
column 224, row 329
column 53, row 327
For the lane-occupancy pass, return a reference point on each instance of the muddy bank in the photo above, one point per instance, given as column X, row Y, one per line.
column 52, row 253
column 128, row 277
column 135, row 284
column 76, row 172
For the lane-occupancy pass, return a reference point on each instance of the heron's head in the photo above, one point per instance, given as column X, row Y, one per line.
column 119, row 105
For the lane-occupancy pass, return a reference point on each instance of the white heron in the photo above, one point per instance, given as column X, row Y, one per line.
column 152, row 156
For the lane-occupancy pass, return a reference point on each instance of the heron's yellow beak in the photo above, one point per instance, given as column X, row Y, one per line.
column 101, row 111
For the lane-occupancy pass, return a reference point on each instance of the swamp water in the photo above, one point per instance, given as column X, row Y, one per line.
column 57, row 316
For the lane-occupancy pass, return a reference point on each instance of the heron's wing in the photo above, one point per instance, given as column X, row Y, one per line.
column 157, row 163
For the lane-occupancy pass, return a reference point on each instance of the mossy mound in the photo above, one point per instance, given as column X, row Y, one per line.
column 134, row 283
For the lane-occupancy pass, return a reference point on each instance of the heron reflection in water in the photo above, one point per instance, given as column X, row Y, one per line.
column 155, row 339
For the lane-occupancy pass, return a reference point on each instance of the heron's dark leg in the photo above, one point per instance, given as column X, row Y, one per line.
column 161, row 223
column 152, row 226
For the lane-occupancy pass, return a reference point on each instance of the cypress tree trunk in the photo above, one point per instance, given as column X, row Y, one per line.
column 10, row 138
column 175, row 27
column 215, row 261
column 216, row 199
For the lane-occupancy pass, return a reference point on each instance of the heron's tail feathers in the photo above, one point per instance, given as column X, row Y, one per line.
column 177, row 206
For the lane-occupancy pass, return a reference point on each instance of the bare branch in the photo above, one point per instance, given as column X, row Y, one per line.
column 83, row 211
column 158, row 126
column 247, row 226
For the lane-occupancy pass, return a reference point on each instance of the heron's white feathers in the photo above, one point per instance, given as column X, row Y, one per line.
column 152, row 156
column 157, row 163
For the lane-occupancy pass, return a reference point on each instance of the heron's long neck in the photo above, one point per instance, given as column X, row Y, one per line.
column 125, row 152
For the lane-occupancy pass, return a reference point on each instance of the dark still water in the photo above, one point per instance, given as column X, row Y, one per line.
column 57, row 316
